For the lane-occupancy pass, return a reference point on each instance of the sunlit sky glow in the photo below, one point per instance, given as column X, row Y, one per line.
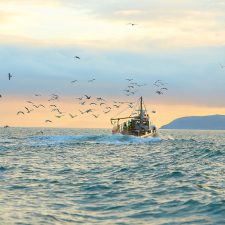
column 179, row 42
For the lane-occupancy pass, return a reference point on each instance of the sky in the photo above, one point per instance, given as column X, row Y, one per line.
column 181, row 42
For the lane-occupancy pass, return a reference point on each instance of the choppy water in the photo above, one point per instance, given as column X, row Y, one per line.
column 71, row 176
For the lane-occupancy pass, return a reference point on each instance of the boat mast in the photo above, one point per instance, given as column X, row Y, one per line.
column 141, row 110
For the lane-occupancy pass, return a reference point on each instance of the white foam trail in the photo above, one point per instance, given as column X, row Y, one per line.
column 104, row 139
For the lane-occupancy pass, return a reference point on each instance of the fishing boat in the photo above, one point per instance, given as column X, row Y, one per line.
column 137, row 123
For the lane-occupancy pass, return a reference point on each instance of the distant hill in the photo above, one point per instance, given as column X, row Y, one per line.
column 213, row 122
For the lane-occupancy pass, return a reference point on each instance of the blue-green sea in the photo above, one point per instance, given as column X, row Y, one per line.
column 88, row 176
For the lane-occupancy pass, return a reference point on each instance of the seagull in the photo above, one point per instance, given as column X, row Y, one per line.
column 53, row 106
column 72, row 116
column 100, row 99
column 117, row 106
column 89, row 110
column 130, row 86
column 30, row 102
column 108, row 107
column 132, row 24
column 96, row 116
column 102, row 103
column 28, row 110
column 9, row 76
column 130, row 106
column 37, row 95
column 73, row 81
column 222, row 66
column 76, row 57
column 153, row 111
column 141, row 85
column 93, row 103
column 87, row 97
column 79, row 98
column 48, row 121
column 91, row 80
column 107, row 111
column 59, row 116
column 164, row 88
column 54, row 97
column 81, row 112
column 20, row 112
column 159, row 92
column 36, row 106
column 129, row 79
column 0, row 96
column 82, row 103
column 54, row 110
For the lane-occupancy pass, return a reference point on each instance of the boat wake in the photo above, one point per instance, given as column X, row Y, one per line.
column 92, row 139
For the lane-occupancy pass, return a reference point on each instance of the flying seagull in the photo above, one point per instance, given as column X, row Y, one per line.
column 48, row 121
column 28, row 110
column 9, row 76
column 73, row 81
column 222, row 66
column 59, row 116
column 100, row 99
column 87, row 97
column 20, row 112
column 89, row 110
column 107, row 111
column 72, row 116
column 96, row 116
column 81, row 112
column 91, row 80
column 53, row 106
column 132, row 24
column 159, row 92
column 76, row 57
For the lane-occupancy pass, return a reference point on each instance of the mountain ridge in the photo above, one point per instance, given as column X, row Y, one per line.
column 209, row 122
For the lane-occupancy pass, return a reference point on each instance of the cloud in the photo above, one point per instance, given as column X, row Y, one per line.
column 162, row 24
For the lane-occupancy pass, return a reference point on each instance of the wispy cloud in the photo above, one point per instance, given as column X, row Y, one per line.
column 160, row 23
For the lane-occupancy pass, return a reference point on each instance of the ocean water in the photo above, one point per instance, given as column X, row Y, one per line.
column 87, row 176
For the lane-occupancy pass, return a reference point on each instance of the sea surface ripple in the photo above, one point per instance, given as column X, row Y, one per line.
column 88, row 176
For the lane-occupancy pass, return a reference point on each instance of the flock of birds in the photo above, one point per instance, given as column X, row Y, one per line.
column 94, row 106
column 89, row 105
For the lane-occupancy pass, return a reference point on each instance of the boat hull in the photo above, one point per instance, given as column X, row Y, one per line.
column 155, row 134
